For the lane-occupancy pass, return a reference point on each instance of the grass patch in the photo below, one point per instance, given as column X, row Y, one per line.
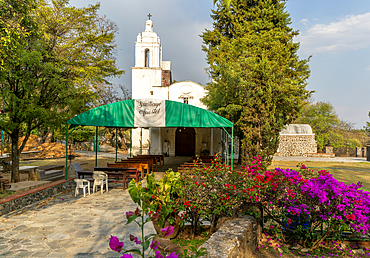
column 184, row 241
column 348, row 173
column 189, row 242
column 5, row 193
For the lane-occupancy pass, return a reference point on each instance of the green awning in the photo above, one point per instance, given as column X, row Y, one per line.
column 149, row 113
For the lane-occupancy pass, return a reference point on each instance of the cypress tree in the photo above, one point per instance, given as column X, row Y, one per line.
column 258, row 80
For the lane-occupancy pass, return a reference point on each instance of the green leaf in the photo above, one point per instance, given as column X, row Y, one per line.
column 135, row 250
column 133, row 191
column 149, row 236
column 145, row 245
column 131, row 219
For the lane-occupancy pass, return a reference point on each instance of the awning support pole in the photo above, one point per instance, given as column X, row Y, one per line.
column 232, row 147
column 150, row 133
column 116, row 143
column 130, row 141
column 96, row 146
column 141, row 141
column 66, row 173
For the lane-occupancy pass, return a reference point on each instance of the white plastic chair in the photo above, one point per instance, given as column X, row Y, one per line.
column 100, row 178
column 80, row 184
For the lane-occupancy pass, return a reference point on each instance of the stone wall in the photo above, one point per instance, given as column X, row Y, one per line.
column 328, row 149
column 20, row 200
column 361, row 152
column 297, row 145
column 236, row 238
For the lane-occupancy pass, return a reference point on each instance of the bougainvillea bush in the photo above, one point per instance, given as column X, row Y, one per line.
column 303, row 204
column 210, row 193
column 294, row 204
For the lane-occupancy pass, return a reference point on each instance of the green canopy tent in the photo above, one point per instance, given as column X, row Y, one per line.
column 148, row 113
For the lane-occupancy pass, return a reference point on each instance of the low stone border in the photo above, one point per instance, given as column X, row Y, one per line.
column 20, row 200
column 235, row 238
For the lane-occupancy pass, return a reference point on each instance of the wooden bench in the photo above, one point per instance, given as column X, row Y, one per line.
column 159, row 158
column 125, row 173
column 149, row 161
column 141, row 167
column 204, row 159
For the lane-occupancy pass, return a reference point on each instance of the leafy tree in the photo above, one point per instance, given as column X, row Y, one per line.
column 258, row 80
column 321, row 116
column 328, row 128
column 109, row 94
column 52, row 57
column 227, row 2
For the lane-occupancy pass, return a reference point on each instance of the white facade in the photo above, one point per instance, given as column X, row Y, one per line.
column 152, row 79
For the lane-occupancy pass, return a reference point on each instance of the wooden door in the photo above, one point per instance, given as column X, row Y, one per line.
column 185, row 141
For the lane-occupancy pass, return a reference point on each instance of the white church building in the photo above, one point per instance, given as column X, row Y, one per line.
column 152, row 79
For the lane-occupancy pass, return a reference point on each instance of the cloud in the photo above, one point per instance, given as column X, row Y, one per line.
column 304, row 21
column 368, row 68
column 349, row 33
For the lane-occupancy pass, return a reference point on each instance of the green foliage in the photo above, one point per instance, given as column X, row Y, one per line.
column 226, row 2
column 83, row 133
column 258, row 80
column 54, row 57
column 329, row 130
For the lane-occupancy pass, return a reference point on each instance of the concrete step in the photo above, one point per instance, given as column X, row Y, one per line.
column 54, row 178
column 51, row 167
column 45, row 175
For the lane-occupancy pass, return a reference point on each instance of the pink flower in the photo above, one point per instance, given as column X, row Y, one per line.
column 135, row 239
column 158, row 255
column 154, row 245
column 172, row 255
column 126, row 256
column 129, row 214
column 167, row 230
column 115, row 244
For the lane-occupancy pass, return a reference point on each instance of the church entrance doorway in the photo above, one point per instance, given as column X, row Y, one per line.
column 185, row 141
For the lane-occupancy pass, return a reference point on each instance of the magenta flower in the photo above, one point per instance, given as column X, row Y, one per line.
column 167, row 230
column 158, row 255
column 135, row 239
column 154, row 245
column 129, row 214
column 126, row 256
column 172, row 255
column 115, row 244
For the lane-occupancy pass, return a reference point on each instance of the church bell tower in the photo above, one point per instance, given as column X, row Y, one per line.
column 147, row 71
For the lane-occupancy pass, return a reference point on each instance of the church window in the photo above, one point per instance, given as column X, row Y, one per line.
column 186, row 100
column 146, row 58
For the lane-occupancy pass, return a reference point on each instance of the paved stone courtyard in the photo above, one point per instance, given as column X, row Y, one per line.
column 68, row 226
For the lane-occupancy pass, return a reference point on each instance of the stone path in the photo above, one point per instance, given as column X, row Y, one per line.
column 68, row 226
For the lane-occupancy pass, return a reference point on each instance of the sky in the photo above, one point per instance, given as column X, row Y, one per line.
column 336, row 33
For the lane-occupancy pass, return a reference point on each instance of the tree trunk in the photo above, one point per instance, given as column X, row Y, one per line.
column 194, row 224
column 15, row 157
column 42, row 135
